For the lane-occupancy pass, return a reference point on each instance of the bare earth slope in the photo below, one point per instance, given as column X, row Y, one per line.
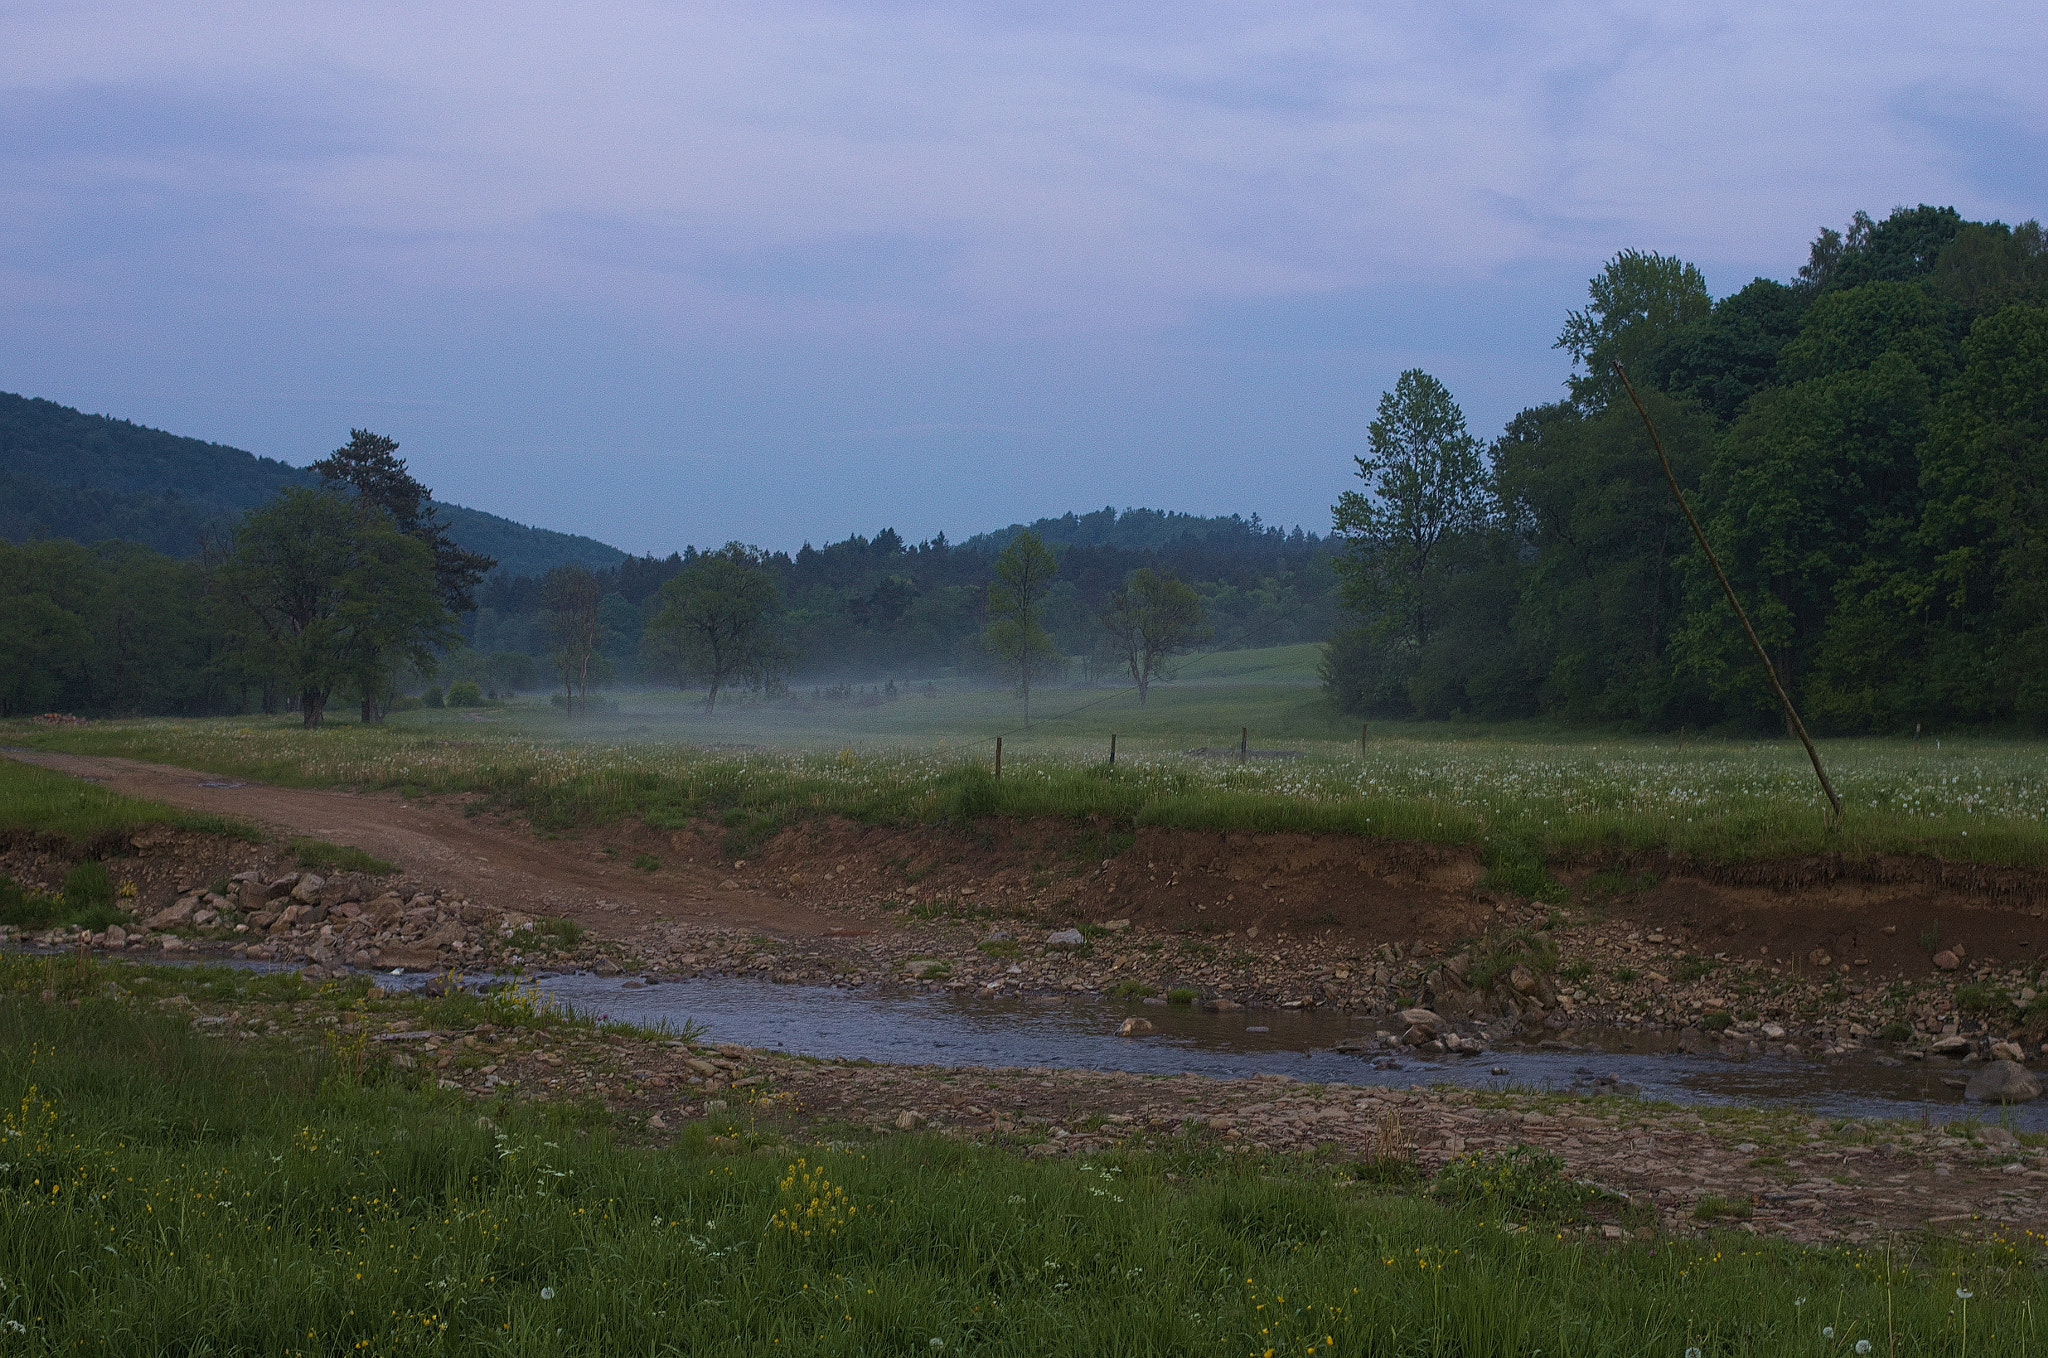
column 504, row 864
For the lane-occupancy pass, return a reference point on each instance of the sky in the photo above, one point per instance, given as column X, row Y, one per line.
column 780, row 272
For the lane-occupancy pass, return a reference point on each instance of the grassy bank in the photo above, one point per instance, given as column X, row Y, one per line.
column 38, row 804
column 1523, row 802
column 172, row 1190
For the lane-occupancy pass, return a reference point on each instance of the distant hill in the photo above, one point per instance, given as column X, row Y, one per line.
column 1138, row 530
column 67, row 474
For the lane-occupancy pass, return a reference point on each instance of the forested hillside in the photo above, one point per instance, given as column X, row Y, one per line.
column 875, row 608
column 89, row 478
column 1867, row 446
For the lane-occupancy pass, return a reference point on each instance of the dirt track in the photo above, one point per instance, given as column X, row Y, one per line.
column 504, row 864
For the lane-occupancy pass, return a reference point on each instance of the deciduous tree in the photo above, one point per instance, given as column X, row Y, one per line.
column 717, row 623
column 1150, row 619
column 1016, row 633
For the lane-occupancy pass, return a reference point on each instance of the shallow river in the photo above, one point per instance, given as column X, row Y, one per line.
column 960, row 1030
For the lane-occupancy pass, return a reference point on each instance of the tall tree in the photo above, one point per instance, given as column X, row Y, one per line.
column 1638, row 302
column 571, row 596
column 370, row 466
column 1151, row 618
column 1426, row 484
column 716, row 623
column 1017, row 633
column 325, row 581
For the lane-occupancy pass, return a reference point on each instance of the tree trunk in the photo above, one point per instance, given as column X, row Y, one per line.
column 312, row 706
column 369, row 710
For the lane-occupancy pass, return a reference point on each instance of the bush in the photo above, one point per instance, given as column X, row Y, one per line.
column 432, row 697
column 1982, row 999
column 87, row 885
column 1181, row 994
column 465, row 693
column 1521, row 1181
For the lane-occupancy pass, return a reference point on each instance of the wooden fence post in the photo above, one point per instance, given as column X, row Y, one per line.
column 1112, row 749
column 999, row 759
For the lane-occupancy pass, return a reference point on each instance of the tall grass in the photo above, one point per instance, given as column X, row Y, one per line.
column 1523, row 803
column 166, row 1192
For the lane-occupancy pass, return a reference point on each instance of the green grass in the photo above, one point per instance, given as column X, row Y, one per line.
column 40, row 804
column 318, row 855
column 167, row 1192
column 1523, row 798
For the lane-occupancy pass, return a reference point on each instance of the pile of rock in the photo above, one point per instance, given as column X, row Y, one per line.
column 306, row 918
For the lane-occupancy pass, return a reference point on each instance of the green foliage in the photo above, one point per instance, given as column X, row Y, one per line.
column 1151, row 618
column 1016, row 635
column 1975, row 998
column 1635, row 304
column 646, row 862
column 1520, row 1182
column 716, row 623
column 320, row 856
column 540, row 1229
column 465, row 693
column 73, row 908
column 1693, row 968
column 41, row 804
column 1181, row 994
column 87, row 885
column 564, row 934
column 1130, row 990
column 1493, row 959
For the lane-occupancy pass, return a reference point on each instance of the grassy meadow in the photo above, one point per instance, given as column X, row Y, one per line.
column 168, row 1188
column 1524, row 796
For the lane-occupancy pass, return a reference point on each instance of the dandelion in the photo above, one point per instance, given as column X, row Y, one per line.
column 1964, row 1294
column 1863, row 1346
column 1827, row 1332
column 938, row 1344
column 547, row 1294
column 1692, row 1353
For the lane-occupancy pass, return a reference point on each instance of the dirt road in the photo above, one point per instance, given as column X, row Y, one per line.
column 501, row 863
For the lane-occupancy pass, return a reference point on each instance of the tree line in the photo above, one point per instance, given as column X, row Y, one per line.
column 1866, row 445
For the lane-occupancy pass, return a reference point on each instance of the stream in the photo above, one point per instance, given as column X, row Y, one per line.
column 1056, row 1031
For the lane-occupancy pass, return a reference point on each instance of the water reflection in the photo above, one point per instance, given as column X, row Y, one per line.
column 961, row 1030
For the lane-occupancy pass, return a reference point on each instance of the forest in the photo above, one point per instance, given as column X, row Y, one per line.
column 1866, row 446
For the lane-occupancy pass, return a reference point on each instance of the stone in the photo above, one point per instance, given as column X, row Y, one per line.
column 1522, row 980
column 909, row 1121
column 116, row 936
column 307, row 889
column 2007, row 1051
column 1947, row 960
column 1220, row 1005
column 1116, row 924
column 1132, row 1027
column 1774, row 1031
column 2002, row 1082
column 170, row 915
column 1997, row 1136
column 444, row 936
column 1426, row 1019
column 606, row 967
column 655, row 1123
column 714, row 1105
column 1064, row 938
column 282, row 886
column 1953, row 1044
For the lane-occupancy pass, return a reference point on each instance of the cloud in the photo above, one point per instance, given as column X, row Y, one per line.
column 678, row 227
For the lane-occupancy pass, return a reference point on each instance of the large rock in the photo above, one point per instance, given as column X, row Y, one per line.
column 1946, row 960
column 172, row 915
column 1064, row 938
column 1132, row 1027
column 2003, row 1082
column 1426, row 1019
column 307, row 890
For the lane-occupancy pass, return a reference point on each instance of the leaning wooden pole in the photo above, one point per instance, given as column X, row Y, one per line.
column 1756, row 643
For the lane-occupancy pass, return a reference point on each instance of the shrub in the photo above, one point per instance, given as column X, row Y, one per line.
column 1710, row 1206
column 318, row 855
column 1693, row 968
column 1131, row 990
column 1982, row 999
column 1501, row 956
column 432, row 697
column 1522, row 1181
column 465, row 693
column 646, row 862
column 87, row 885
column 1181, row 994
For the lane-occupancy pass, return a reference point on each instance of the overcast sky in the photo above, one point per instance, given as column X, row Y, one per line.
column 776, row 271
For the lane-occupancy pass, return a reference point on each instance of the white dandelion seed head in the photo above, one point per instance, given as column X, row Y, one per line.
column 547, row 1294
column 938, row 1344
column 1827, row 1332
column 1692, row 1353
column 1964, row 1293
column 1863, row 1346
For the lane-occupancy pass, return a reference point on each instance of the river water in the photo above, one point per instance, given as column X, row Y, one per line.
column 962, row 1030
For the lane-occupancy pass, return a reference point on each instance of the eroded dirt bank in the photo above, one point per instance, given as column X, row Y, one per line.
column 1820, row 955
